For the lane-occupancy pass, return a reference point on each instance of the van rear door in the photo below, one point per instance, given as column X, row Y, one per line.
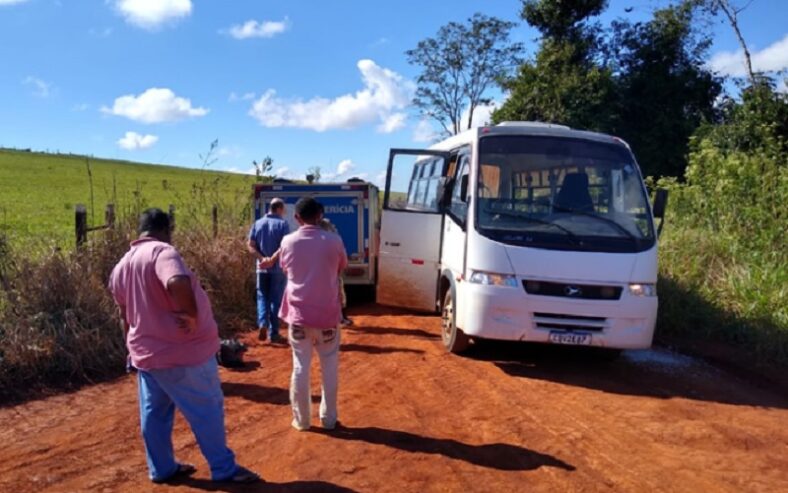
column 410, row 229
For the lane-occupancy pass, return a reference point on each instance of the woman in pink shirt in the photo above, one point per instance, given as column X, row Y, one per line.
column 312, row 259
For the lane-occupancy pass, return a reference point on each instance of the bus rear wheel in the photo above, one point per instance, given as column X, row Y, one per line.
column 454, row 339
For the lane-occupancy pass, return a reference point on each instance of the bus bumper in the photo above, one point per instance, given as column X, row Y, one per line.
column 509, row 313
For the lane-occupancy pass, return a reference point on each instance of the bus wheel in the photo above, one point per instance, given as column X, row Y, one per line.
column 453, row 338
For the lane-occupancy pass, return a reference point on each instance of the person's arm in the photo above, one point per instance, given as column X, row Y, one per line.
column 176, row 278
column 124, row 323
column 342, row 256
column 182, row 294
column 252, row 247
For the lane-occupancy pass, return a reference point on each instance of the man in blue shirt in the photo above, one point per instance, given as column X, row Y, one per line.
column 265, row 237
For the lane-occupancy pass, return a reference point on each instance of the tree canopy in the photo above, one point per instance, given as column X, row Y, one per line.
column 645, row 82
column 459, row 65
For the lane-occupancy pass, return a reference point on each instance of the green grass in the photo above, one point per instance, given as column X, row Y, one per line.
column 38, row 193
column 717, row 288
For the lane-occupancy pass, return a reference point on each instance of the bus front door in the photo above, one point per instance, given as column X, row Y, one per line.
column 410, row 229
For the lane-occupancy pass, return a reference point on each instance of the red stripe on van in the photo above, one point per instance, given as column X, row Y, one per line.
column 417, row 261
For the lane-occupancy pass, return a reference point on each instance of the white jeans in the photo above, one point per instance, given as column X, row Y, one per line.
column 326, row 342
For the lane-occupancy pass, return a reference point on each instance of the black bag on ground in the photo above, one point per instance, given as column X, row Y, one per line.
column 230, row 353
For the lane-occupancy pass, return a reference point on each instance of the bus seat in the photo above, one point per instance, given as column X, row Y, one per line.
column 574, row 194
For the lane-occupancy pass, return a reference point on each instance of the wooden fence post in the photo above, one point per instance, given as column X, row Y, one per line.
column 171, row 213
column 81, row 224
column 109, row 216
column 215, row 219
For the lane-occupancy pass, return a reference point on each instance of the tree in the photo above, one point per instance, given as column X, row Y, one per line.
column 664, row 91
column 645, row 82
column 731, row 12
column 314, row 172
column 565, row 82
column 209, row 158
column 459, row 66
column 263, row 168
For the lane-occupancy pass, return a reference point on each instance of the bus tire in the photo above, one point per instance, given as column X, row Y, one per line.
column 454, row 339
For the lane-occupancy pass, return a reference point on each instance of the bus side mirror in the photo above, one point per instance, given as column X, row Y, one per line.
column 660, row 203
column 464, row 188
column 658, row 208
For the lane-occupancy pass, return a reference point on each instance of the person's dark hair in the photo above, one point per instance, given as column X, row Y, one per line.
column 308, row 209
column 154, row 221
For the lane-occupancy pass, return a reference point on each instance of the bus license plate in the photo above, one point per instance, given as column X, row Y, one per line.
column 573, row 338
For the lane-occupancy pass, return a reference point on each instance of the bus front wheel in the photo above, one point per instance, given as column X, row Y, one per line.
column 454, row 339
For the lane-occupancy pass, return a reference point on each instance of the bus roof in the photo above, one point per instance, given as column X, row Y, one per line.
column 523, row 128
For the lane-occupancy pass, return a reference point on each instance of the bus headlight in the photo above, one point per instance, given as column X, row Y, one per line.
column 643, row 289
column 490, row 279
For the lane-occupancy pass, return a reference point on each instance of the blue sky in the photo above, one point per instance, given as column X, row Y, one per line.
column 310, row 83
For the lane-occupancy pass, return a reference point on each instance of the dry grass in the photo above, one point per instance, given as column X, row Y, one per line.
column 58, row 323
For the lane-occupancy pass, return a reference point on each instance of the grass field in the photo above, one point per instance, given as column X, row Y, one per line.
column 38, row 193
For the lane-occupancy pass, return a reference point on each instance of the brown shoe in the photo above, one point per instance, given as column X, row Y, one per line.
column 263, row 333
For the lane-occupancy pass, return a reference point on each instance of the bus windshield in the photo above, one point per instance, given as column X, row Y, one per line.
column 562, row 193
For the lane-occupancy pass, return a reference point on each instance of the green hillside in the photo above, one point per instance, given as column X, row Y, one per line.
column 38, row 193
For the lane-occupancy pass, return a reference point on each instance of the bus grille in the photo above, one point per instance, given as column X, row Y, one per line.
column 556, row 321
column 567, row 290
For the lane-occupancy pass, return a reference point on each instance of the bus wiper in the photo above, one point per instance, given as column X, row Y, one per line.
column 607, row 220
column 536, row 220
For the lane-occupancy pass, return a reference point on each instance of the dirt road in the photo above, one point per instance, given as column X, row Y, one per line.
column 506, row 418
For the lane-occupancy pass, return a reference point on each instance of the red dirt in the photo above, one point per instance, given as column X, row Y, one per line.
column 506, row 418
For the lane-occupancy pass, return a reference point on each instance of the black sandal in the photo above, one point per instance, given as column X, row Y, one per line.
column 242, row 475
column 183, row 471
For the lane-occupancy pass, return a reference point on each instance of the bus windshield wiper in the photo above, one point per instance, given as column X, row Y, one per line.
column 607, row 220
column 536, row 220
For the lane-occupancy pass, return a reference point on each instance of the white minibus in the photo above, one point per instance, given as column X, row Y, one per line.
column 522, row 231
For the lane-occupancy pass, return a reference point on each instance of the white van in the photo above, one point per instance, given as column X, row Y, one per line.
column 522, row 231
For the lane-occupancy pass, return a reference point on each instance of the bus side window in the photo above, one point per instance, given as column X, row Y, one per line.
column 458, row 208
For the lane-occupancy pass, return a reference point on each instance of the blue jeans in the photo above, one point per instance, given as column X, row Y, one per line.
column 197, row 393
column 270, row 289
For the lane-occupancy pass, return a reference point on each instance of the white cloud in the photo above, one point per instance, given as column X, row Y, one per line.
column 392, row 123
column 340, row 173
column 154, row 106
column 254, row 29
column 380, row 179
column 11, row 2
column 481, row 115
column 773, row 58
column 133, row 141
column 782, row 86
column 424, row 132
column 41, row 88
column 244, row 97
column 385, row 94
column 235, row 169
column 151, row 14
column 345, row 166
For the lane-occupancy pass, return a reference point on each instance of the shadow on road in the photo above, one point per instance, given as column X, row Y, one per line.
column 265, row 487
column 393, row 331
column 657, row 373
column 257, row 393
column 364, row 348
column 501, row 456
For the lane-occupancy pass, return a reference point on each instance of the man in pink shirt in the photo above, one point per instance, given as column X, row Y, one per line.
column 312, row 259
column 172, row 339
